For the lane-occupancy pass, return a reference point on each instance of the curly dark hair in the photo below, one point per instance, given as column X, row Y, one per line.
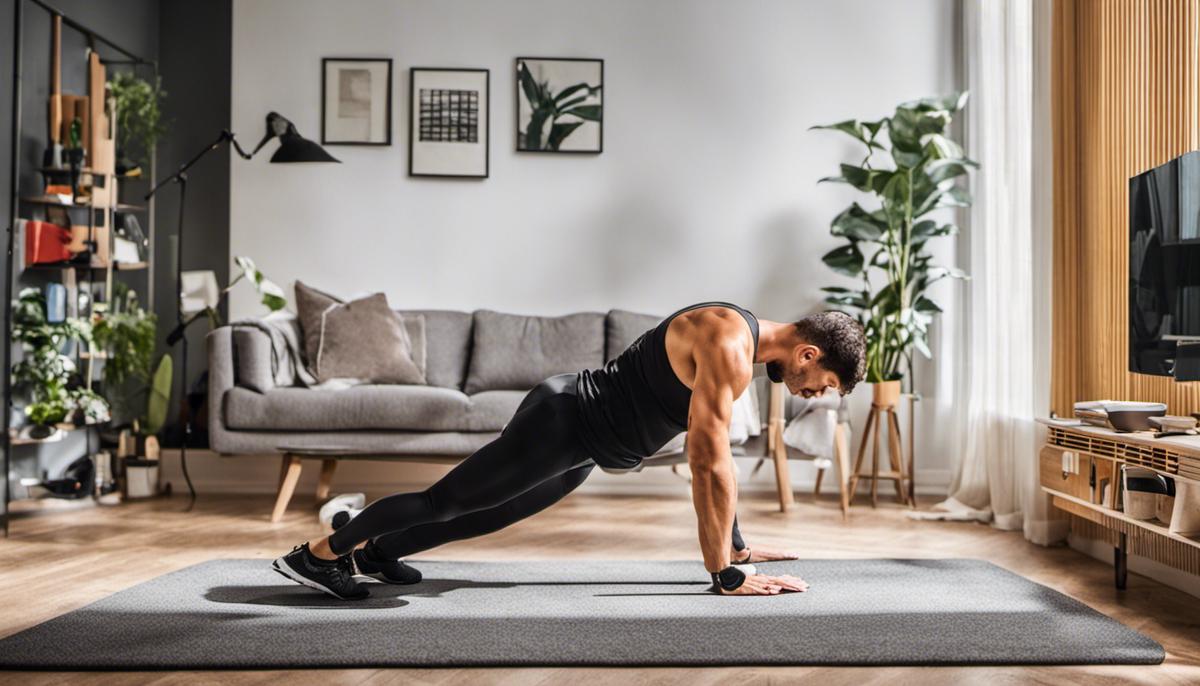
column 842, row 342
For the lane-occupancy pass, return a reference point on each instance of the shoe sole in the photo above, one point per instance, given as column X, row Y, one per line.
column 280, row 565
column 380, row 577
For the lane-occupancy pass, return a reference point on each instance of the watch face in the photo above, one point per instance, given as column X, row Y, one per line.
column 731, row 578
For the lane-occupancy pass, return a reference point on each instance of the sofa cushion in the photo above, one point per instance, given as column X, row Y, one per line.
column 491, row 410
column 369, row 407
column 447, row 346
column 510, row 351
column 622, row 327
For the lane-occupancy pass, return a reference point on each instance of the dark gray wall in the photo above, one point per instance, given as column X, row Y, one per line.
column 194, row 60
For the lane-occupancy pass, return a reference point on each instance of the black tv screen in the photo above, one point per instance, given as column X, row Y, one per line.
column 1164, row 263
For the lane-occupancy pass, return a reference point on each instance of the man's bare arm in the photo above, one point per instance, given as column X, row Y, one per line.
column 722, row 373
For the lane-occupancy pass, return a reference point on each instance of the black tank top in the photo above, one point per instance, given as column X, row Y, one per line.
column 635, row 404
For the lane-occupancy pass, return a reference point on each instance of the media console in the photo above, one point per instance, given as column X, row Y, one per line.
column 1081, row 469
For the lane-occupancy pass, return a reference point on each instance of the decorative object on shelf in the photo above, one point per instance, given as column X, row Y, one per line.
column 449, row 128
column 356, row 101
column 292, row 148
column 560, row 106
column 1124, row 416
column 45, row 243
column 44, row 374
column 74, row 155
column 921, row 178
column 141, row 477
column 139, row 120
column 126, row 334
column 1141, row 485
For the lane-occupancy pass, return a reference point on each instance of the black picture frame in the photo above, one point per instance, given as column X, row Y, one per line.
column 519, row 94
column 485, row 121
column 325, row 138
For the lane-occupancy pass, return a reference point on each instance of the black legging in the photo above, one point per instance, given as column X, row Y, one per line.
column 535, row 462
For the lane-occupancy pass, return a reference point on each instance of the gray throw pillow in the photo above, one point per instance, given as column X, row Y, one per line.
column 511, row 351
column 361, row 339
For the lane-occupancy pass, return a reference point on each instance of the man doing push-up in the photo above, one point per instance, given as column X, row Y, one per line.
column 682, row 375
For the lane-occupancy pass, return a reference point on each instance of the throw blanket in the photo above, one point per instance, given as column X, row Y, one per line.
column 811, row 429
column 287, row 359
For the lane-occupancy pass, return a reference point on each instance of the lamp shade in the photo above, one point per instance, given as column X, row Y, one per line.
column 292, row 146
column 295, row 148
column 200, row 291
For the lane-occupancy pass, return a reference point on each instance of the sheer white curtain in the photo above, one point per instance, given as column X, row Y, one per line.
column 1002, row 380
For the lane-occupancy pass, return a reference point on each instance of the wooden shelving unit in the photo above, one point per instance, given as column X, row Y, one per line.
column 100, row 186
column 1076, row 464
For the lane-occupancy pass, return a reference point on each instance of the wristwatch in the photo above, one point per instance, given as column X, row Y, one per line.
column 729, row 579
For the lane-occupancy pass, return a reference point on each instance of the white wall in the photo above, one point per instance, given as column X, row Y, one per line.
column 706, row 188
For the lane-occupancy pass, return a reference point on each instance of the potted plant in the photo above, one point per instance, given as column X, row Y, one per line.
column 909, row 169
column 44, row 374
column 126, row 333
column 138, row 105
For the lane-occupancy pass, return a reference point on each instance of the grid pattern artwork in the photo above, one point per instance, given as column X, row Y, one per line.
column 449, row 115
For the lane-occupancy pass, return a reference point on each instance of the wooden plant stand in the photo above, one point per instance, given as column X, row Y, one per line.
column 883, row 409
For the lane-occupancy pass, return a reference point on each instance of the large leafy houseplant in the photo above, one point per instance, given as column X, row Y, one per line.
column 917, row 176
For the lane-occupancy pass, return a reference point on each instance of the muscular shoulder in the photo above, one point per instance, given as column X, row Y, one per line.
column 722, row 343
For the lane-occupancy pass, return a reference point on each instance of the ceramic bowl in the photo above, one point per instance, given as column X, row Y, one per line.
column 1133, row 416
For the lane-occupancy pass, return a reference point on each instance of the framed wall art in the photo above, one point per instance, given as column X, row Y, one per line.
column 560, row 104
column 356, row 101
column 448, row 132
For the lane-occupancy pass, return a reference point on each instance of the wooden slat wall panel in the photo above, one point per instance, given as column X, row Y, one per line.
column 1126, row 98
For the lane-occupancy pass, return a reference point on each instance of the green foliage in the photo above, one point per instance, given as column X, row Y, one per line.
column 75, row 134
column 890, row 241
column 139, row 115
column 47, row 412
column 159, row 398
column 44, row 372
column 127, row 334
column 544, row 131
column 272, row 294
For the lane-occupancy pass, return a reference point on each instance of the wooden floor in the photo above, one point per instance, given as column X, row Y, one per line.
column 57, row 561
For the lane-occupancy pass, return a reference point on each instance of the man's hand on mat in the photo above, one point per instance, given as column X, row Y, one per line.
column 763, row 584
column 760, row 553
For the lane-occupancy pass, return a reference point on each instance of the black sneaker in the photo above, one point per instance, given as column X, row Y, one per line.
column 335, row 577
column 373, row 563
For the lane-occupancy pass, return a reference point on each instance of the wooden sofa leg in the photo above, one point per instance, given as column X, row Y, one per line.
column 328, row 467
column 817, row 486
column 290, row 474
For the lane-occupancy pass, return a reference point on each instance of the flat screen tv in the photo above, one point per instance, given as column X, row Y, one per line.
column 1164, row 263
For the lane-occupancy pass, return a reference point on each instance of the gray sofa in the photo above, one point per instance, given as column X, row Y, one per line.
column 478, row 367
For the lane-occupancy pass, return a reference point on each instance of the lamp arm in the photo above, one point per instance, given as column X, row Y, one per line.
column 177, row 332
column 226, row 136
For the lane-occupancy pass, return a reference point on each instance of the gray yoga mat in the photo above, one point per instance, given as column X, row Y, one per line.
column 240, row 613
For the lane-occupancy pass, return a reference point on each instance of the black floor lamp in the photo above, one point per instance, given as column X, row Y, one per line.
column 292, row 148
